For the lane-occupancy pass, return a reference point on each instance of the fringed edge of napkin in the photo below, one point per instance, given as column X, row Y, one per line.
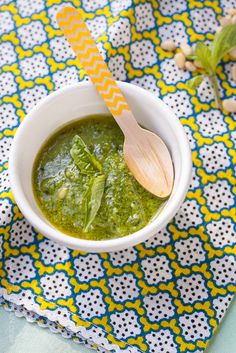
column 83, row 332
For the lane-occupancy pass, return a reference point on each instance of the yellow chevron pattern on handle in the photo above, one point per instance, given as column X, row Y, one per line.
column 84, row 46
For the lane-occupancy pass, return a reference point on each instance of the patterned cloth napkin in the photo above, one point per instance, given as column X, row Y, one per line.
column 170, row 293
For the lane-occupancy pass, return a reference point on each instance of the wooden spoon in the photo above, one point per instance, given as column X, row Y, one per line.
column 145, row 153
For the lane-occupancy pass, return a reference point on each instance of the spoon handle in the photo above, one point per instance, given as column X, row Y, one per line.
column 83, row 44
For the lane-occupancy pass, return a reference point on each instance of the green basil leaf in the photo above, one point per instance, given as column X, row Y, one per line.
column 224, row 41
column 195, row 82
column 84, row 160
column 203, row 53
column 93, row 199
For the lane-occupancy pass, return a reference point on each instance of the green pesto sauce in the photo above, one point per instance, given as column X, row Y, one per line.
column 59, row 186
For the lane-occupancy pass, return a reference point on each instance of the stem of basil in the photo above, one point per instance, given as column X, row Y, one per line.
column 215, row 87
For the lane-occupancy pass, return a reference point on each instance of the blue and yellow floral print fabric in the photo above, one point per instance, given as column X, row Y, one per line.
column 165, row 295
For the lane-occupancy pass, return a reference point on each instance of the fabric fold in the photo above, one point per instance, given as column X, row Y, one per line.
column 165, row 295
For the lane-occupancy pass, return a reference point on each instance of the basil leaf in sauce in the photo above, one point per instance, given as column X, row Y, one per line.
column 92, row 200
column 84, row 160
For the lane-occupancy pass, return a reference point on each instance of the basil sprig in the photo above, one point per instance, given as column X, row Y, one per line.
column 210, row 57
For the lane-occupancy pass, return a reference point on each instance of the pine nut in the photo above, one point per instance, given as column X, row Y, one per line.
column 168, row 45
column 180, row 60
column 233, row 20
column 231, row 12
column 225, row 21
column 189, row 66
column 229, row 105
column 232, row 53
column 186, row 49
column 233, row 73
column 61, row 193
column 198, row 64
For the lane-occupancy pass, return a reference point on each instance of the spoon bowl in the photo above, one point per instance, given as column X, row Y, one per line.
column 149, row 160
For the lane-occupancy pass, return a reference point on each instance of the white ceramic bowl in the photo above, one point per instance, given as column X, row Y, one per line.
column 77, row 101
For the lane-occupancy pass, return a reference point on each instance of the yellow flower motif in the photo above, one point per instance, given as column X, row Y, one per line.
column 17, row 213
column 184, row 346
column 169, row 287
column 181, row 308
column 66, row 267
column 206, row 306
column 32, row 285
column 54, row 65
column 23, row 53
column 139, row 341
column 161, row 20
column 102, row 322
column 42, row 269
column 231, row 123
column 197, row 195
column 184, row 17
column 8, row 132
column 201, row 141
column 144, row 252
column 9, row 251
column 212, row 252
column 201, row 344
column 102, row 284
column 230, row 213
column 208, row 215
column 44, row 305
column 195, row 37
column 132, row 72
column 31, row 250
column 225, row 139
column 135, row 305
column 113, row 306
column 135, row 35
column 111, row 338
column 172, row 324
column 179, row 270
column 52, row 32
column 134, row 269
column 230, row 250
column 147, row 325
column 77, row 286
column 168, row 250
column 69, row 303
column 49, row 3
column 43, row 49
column 10, row 7
column 10, row 288
column 190, row 122
column 79, row 322
column 215, row 290
column 200, row 231
column 14, row 99
column 112, row 270
column 146, row 289
column 199, row 106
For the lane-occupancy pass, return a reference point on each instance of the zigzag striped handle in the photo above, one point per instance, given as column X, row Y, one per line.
column 81, row 41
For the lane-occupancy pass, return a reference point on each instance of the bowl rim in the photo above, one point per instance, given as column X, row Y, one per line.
column 116, row 243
